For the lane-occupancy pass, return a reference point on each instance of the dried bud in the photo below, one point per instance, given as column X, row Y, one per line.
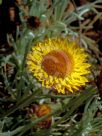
column 40, row 111
column 33, row 22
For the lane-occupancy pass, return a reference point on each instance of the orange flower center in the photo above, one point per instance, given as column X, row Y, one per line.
column 57, row 63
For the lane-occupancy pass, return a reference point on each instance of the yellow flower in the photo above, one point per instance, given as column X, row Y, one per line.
column 59, row 63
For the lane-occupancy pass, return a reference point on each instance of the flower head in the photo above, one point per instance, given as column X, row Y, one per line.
column 59, row 63
column 38, row 111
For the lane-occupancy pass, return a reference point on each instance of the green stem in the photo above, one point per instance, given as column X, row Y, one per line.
column 75, row 103
column 26, row 101
column 30, row 125
column 16, row 131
